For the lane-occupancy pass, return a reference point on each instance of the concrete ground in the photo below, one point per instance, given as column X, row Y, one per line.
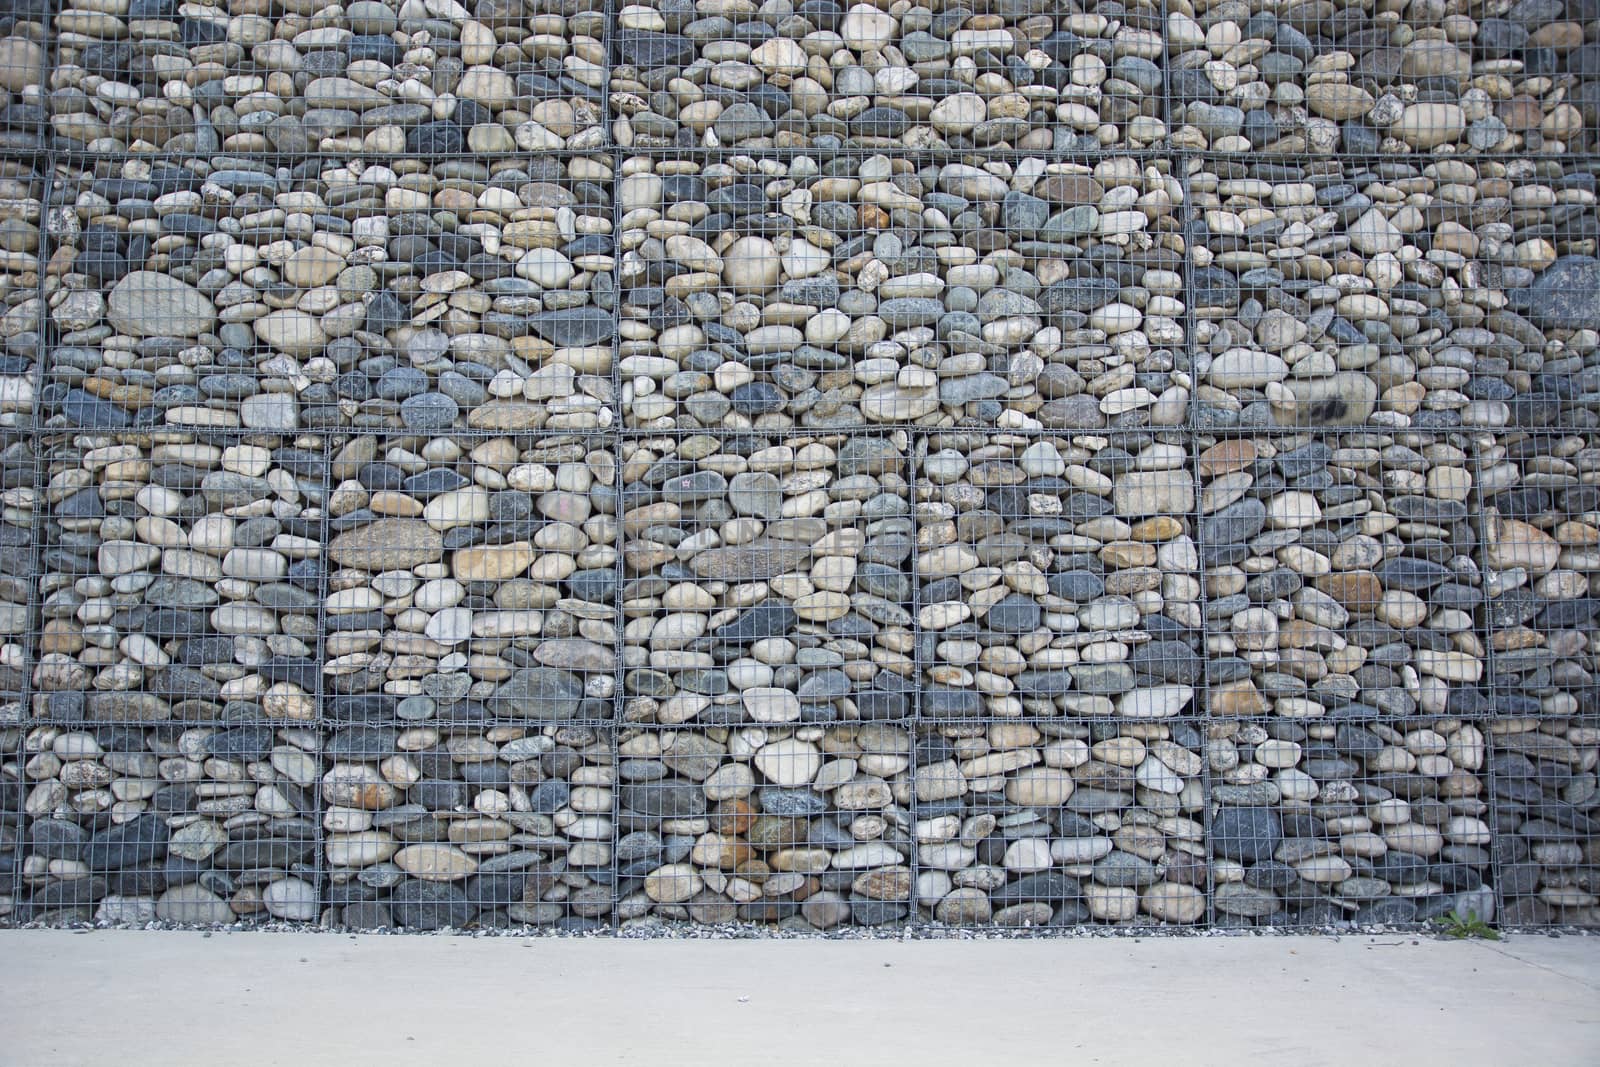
column 108, row 997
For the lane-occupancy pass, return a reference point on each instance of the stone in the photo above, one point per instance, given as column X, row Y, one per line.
column 147, row 304
column 1250, row 835
column 789, row 763
column 387, row 544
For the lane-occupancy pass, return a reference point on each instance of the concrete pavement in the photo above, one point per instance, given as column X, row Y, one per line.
column 105, row 997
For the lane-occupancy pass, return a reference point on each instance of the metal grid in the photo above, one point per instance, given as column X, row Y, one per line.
column 1316, row 79
column 430, row 827
column 1390, row 292
column 1537, row 561
column 1189, row 768
column 768, row 290
column 1320, row 822
column 179, row 578
column 162, row 80
column 471, row 580
column 805, row 825
column 25, row 44
column 1547, row 869
column 766, row 579
column 1064, row 78
column 1057, row 576
column 454, row 295
column 1055, row 824
column 186, row 824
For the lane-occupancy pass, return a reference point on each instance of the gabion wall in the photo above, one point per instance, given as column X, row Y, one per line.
column 581, row 465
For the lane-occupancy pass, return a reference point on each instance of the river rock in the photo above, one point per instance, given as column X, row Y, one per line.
column 492, row 565
column 784, row 305
column 767, row 816
column 1052, row 81
column 805, row 615
column 500, row 84
column 998, row 636
column 510, row 825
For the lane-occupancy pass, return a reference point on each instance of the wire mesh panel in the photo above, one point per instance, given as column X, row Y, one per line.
column 433, row 827
column 20, row 509
column 1061, row 823
column 193, row 824
column 472, row 580
column 766, row 580
column 1341, row 600
column 171, row 769
column 1428, row 294
column 804, row 825
column 1325, row 77
column 1546, row 823
column 179, row 579
column 24, row 73
column 767, row 292
column 1333, row 820
column 384, row 78
column 12, row 823
column 1340, row 576
column 1539, row 553
column 1030, row 77
column 449, row 295
column 22, row 314
column 1056, row 576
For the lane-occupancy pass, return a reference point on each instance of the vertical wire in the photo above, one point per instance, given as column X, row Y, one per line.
column 33, row 639
column 1201, row 706
column 916, row 443
column 618, row 648
column 322, row 723
column 1485, row 630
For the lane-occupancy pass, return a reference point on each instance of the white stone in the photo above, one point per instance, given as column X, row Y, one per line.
column 769, row 705
column 1156, row 702
column 790, row 763
column 546, row 268
column 865, row 28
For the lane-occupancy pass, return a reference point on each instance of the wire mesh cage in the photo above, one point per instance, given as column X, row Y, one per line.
column 1547, row 846
column 179, row 579
column 1538, row 559
column 1331, row 821
column 1056, row 576
column 766, row 580
column 1052, row 824
column 172, row 760
column 24, row 72
column 1026, row 77
column 189, row 824
column 1340, row 576
column 1538, row 556
column 21, row 317
column 1318, row 78
column 485, row 827
column 387, row 78
column 803, row 825
column 1342, row 594
column 1426, row 294
column 405, row 294
column 12, row 820
column 472, row 580
column 764, row 291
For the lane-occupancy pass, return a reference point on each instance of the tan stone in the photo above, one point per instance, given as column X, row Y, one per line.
column 492, row 563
